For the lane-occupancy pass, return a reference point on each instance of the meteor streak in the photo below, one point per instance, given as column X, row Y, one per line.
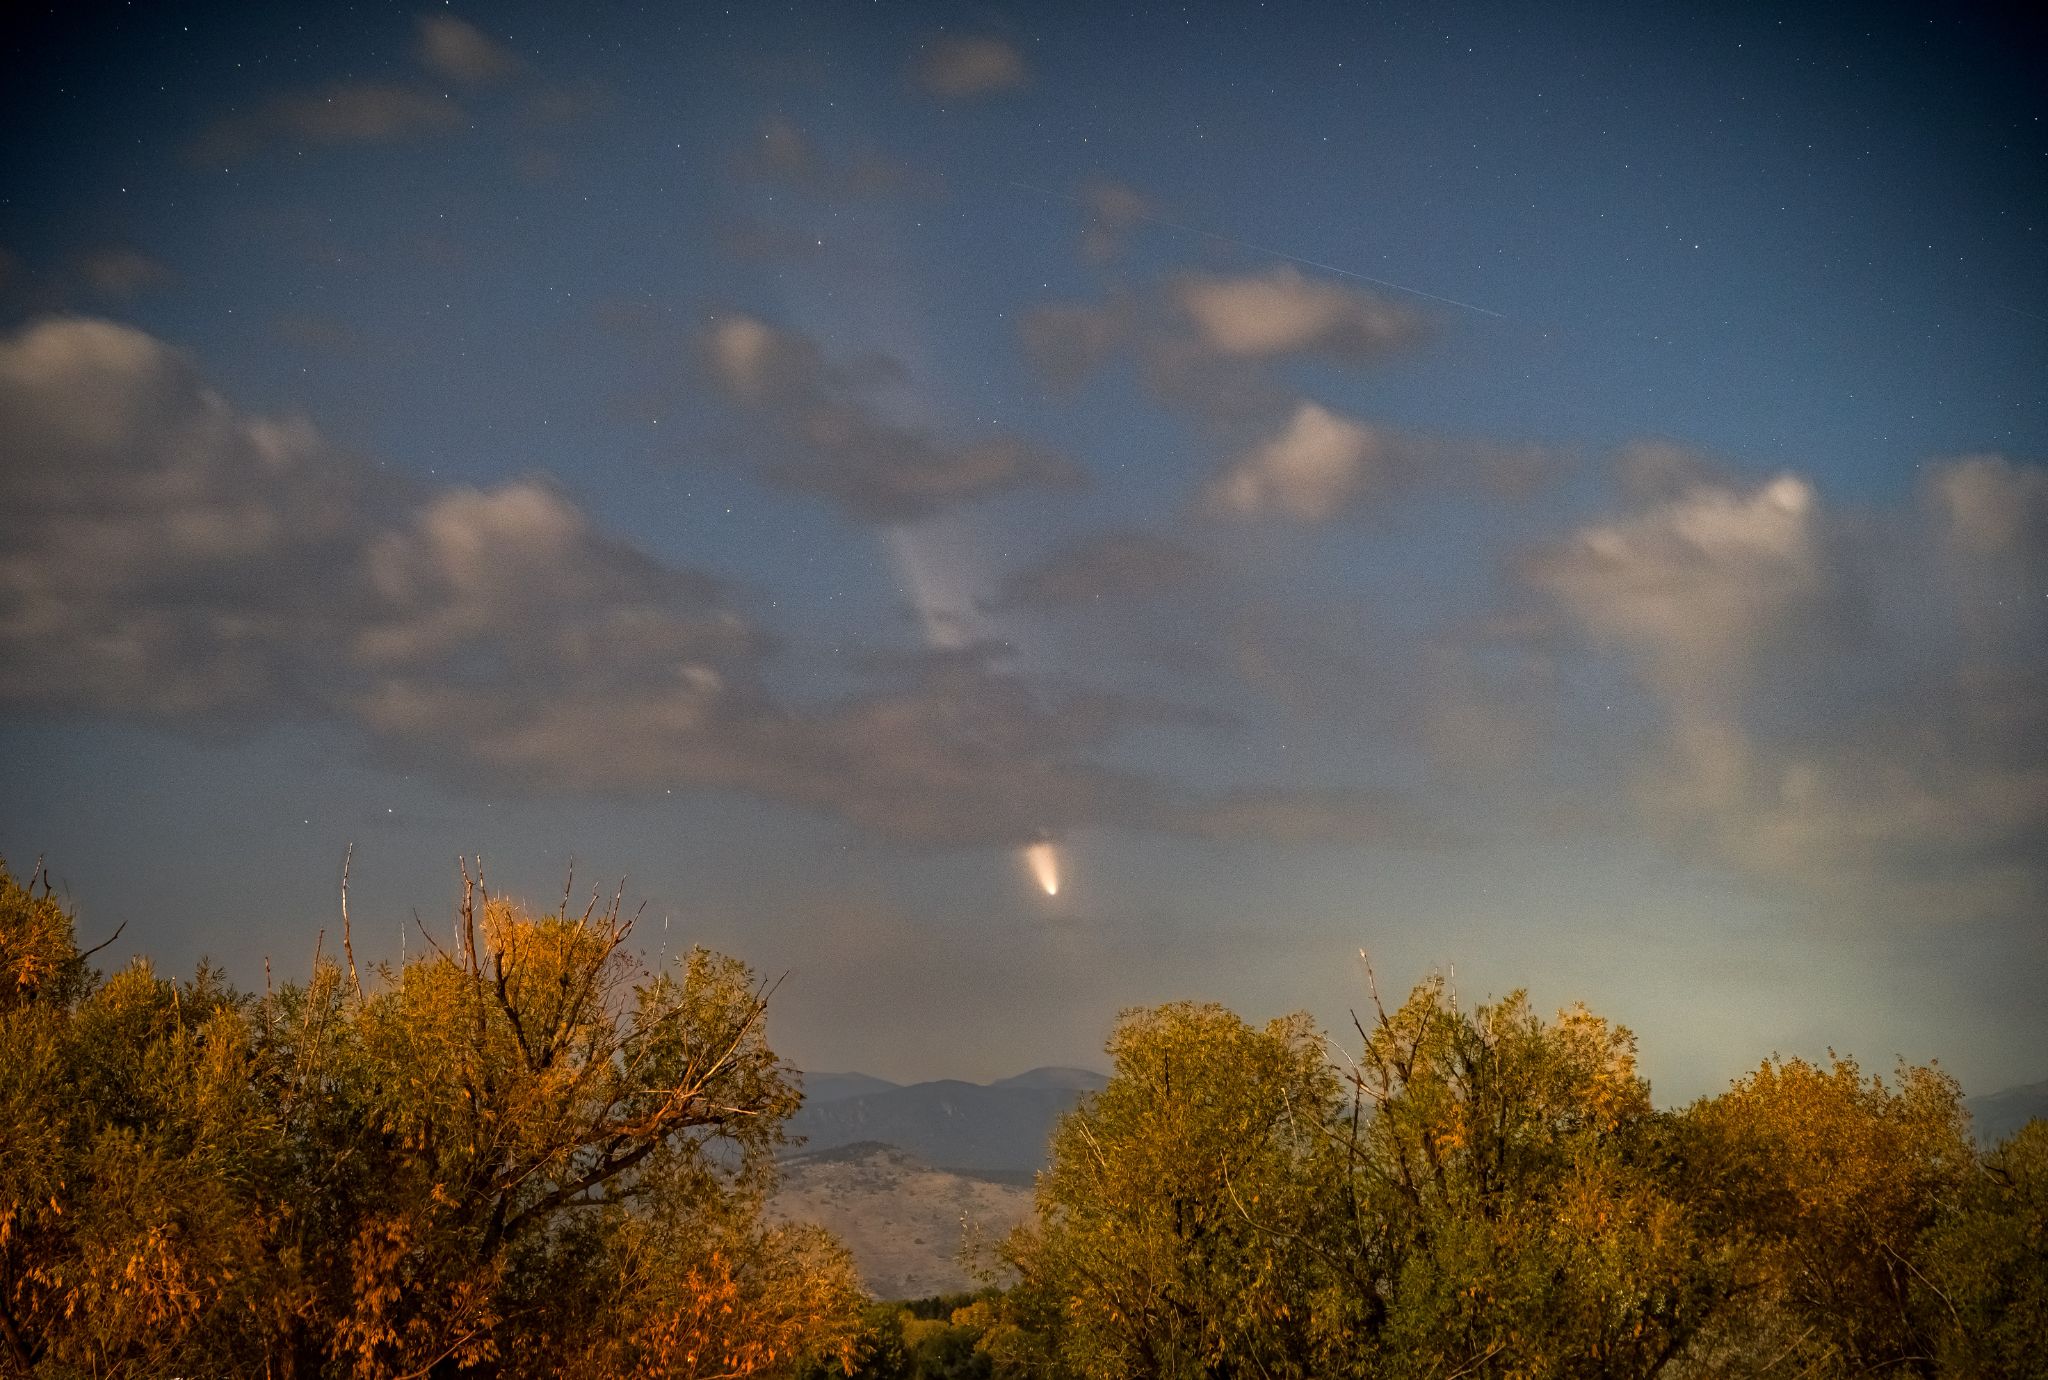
column 1044, row 861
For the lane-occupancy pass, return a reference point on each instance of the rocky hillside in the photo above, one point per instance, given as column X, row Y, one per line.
column 905, row 1221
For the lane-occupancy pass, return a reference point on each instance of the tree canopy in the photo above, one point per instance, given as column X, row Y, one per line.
column 523, row 1153
column 1485, row 1192
column 529, row 1152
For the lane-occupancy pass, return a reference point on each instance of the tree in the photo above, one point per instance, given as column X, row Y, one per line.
column 1488, row 1200
column 1985, row 1292
column 1824, row 1184
column 1501, row 1210
column 526, row 1153
column 127, row 1126
column 1173, row 1233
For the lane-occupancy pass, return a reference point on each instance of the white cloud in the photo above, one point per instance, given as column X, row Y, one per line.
column 1311, row 470
column 1847, row 706
column 1697, row 584
column 1282, row 312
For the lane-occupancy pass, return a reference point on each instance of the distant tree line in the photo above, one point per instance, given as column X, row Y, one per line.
column 528, row 1153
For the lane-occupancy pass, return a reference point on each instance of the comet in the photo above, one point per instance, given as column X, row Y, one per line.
column 1044, row 861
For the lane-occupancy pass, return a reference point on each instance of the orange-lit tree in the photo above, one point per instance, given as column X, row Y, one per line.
column 524, row 1153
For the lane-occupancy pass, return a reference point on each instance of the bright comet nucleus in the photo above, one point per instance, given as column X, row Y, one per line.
column 1044, row 861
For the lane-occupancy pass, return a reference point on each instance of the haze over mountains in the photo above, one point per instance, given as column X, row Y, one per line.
column 1000, row 1128
column 1994, row 1116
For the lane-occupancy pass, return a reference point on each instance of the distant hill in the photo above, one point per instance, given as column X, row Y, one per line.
column 1073, row 1080
column 1997, row 1115
column 830, row 1087
column 1001, row 1128
column 905, row 1222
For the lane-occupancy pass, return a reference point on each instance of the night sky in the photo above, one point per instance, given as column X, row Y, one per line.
column 1559, row 498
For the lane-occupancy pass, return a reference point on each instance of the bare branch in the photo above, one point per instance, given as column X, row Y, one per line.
column 347, row 941
column 104, row 942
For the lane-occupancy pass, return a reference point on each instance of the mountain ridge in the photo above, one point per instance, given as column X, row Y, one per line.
column 1002, row 1128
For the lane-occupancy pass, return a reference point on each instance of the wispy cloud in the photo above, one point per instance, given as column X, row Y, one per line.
column 828, row 438
column 119, row 273
column 1854, row 704
column 783, row 152
column 166, row 556
column 1104, row 566
column 341, row 112
column 970, row 67
column 463, row 53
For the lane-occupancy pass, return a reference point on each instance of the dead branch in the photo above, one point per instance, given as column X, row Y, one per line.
column 347, row 940
column 104, row 942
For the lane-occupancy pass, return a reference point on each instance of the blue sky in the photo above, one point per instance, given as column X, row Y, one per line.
column 1555, row 496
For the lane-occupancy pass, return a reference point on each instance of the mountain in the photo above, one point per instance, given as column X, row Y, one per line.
column 831, row 1087
column 905, row 1222
column 1997, row 1115
column 1001, row 1128
column 1077, row 1080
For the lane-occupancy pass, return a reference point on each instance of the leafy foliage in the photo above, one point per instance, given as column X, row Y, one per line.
column 1174, row 1222
column 529, row 1154
column 1488, row 1193
column 526, row 1154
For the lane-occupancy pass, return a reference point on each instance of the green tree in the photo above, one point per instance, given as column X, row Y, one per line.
column 1173, row 1235
column 1488, row 1200
column 1501, row 1210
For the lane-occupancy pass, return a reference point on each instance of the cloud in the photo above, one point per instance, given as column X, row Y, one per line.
column 119, row 273
column 1698, row 586
column 1992, row 508
column 1847, row 704
column 1114, row 209
column 462, row 52
column 1315, row 467
column 1212, row 343
column 1307, row 818
column 161, row 551
column 1319, row 465
column 970, row 67
column 1282, row 312
column 165, row 556
column 783, row 152
column 342, row 112
column 829, row 439
column 1106, row 566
